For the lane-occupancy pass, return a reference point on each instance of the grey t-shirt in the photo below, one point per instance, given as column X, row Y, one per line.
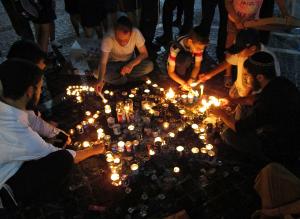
column 122, row 53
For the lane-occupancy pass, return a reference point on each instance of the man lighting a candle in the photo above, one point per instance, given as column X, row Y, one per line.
column 118, row 63
column 270, row 130
column 185, row 58
column 30, row 168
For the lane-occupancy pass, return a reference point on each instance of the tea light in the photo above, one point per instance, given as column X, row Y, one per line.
column 104, row 100
column 202, row 136
column 91, row 89
column 131, row 127
column 86, row 144
column 121, row 145
column 147, row 91
column 95, row 116
column 88, row 113
column 195, row 126
column 203, row 150
column 80, row 129
column 131, row 95
column 190, row 97
column 84, row 123
column 195, row 150
column 109, row 157
column 202, row 129
column 148, row 82
column 166, row 125
column 107, row 109
column 134, row 167
column 184, row 98
column 209, row 147
column 71, row 131
column 128, row 145
column 211, row 153
column 180, row 129
column 182, row 111
column 176, row 169
column 155, row 85
column 151, row 152
column 158, row 140
column 180, row 148
column 162, row 89
column 170, row 94
column 135, row 143
column 106, row 92
column 107, row 138
column 117, row 160
column 115, row 176
column 91, row 120
column 111, row 93
column 171, row 134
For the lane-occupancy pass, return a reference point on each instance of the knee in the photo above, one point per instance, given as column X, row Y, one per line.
column 270, row 170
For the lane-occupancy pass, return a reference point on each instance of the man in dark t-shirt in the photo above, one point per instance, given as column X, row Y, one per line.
column 269, row 131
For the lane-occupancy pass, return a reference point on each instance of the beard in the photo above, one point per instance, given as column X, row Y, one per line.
column 256, row 85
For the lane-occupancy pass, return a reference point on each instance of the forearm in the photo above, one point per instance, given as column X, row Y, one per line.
column 175, row 77
column 101, row 71
column 222, row 67
column 231, row 12
column 195, row 72
column 293, row 208
column 248, row 101
column 138, row 59
column 83, row 154
column 228, row 120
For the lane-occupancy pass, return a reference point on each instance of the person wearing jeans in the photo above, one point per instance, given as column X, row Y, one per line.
column 118, row 63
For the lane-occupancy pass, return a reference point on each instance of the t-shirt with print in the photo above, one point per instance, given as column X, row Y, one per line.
column 120, row 53
column 247, row 9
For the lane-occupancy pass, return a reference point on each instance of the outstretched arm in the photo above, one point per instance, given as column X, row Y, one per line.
column 282, row 7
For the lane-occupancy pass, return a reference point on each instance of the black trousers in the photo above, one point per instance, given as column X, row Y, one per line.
column 43, row 179
column 188, row 10
column 19, row 23
column 208, row 12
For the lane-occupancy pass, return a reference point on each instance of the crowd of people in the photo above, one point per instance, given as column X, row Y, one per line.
column 263, row 126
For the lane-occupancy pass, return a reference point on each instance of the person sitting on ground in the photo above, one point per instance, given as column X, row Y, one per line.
column 30, row 168
column 185, row 58
column 28, row 50
column 247, row 43
column 270, row 130
column 118, row 63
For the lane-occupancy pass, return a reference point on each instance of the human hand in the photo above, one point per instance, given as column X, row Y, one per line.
column 99, row 86
column 185, row 87
column 127, row 69
column 203, row 78
column 239, row 25
column 224, row 102
column 99, row 148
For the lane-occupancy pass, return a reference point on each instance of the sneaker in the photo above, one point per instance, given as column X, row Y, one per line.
column 56, row 44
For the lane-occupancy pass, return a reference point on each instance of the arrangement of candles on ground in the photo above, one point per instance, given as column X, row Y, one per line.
column 79, row 91
column 140, row 125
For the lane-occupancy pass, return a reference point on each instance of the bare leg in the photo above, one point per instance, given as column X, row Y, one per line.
column 43, row 34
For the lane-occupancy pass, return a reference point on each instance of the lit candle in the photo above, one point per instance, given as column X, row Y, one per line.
column 91, row 120
column 95, row 116
column 107, row 109
column 134, row 167
column 121, row 145
column 131, row 127
column 201, row 89
column 190, row 97
column 182, row 111
column 88, row 113
column 162, row 89
column 148, row 82
column 176, row 169
column 195, row 126
column 111, row 93
column 203, row 150
column 184, row 98
column 106, row 92
column 195, row 150
column 202, row 136
column 155, row 85
column 86, row 144
column 158, row 140
column 171, row 134
column 115, row 176
column 211, row 153
column 170, row 94
column 117, row 160
column 180, row 148
column 109, row 157
column 209, row 147
column 80, row 129
column 71, row 131
column 128, row 145
column 91, row 89
column 147, row 91
column 166, row 125
column 151, row 152
column 131, row 95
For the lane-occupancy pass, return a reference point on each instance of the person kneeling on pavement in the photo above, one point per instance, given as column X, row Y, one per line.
column 30, row 168
column 270, row 130
column 118, row 63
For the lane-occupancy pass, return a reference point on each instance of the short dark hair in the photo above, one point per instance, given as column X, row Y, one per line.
column 198, row 34
column 28, row 50
column 261, row 63
column 124, row 24
column 17, row 76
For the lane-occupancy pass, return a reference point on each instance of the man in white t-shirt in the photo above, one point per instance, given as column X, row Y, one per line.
column 118, row 62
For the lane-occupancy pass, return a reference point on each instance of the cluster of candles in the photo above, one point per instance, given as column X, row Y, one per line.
column 77, row 91
column 114, row 155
